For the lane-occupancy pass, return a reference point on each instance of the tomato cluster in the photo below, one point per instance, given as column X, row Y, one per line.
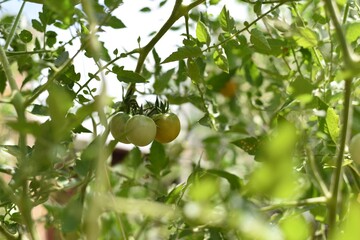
column 141, row 130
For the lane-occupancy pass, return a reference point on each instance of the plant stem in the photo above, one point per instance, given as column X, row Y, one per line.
column 18, row 102
column 178, row 11
column 7, row 70
column 13, row 28
column 340, row 34
column 305, row 202
column 336, row 178
column 320, row 181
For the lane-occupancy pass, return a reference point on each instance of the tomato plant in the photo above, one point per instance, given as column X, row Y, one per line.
column 268, row 93
column 167, row 127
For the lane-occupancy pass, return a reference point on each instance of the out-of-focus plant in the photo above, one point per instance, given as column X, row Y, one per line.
column 275, row 100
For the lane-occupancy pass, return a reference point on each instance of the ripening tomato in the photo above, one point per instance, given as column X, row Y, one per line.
column 140, row 130
column 117, row 127
column 168, row 127
column 354, row 148
column 229, row 90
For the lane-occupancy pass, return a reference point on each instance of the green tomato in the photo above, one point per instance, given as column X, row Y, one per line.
column 168, row 127
column 354, row 148
column 140, row 130
column 117, row 127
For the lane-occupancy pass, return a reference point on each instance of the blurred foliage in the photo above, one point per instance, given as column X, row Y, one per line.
column 260, row 102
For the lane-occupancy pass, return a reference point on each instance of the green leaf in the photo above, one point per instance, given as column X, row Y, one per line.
column 50, row 38
column 161, row 82
column 183, row 53
column 71, row 215
column 25, row 36
column 175, row 194
column 115, row 23
column 127, row 76
column 193, row 70
column 14, row 150
column 37, row 25
column 234, row 181
column 305, row 37
column 221, row 61
column 40, row 110
column 227, row 23
column 61, row 59
column 63, row 10
column 158, row 159
column 301, row 89
column 145, row 9
column 332, row 122
column 249, row 145
column 96, row 50
column 202, row 33
column 352, row 31
column 258, row 39
column 69, row 76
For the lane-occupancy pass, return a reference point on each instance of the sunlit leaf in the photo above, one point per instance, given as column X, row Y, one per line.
column 202, row 33
column 332, row 122
column 352, row 31
column 305, row 37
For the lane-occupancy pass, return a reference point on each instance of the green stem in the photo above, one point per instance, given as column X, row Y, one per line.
column 13, row 28
column 19, row 53
column 346, row 12
column 340, row 34
column 336, row 178
column 178, row 11
column 18, row 103
column 298, row 203
column 7, row 70
column 318, row 178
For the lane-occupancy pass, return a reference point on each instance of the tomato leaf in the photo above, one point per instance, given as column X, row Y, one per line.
column 202, row 33
column 332, row 122
column 305, row 37
column 234, row 181
column 227, row 23
column 127, row 76
column 352, row 31
column 158, row 159
column 258, row 39
column 183, row 53
column 221, row 61
column 249, row 145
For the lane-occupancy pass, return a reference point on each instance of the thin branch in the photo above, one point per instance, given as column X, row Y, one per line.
column 333, row 201
column 178, row 11
column 297, row 203
column 14, row 26
column 7, row 70
column 340, row 34
column 320, row 181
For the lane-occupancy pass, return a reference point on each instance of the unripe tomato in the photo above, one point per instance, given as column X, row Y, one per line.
column 229, row 90
column 354, row 148
column 168, row 127
column 117, row 127
column 140, row 130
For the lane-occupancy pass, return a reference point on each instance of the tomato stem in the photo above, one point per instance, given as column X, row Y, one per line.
column 178, row 11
